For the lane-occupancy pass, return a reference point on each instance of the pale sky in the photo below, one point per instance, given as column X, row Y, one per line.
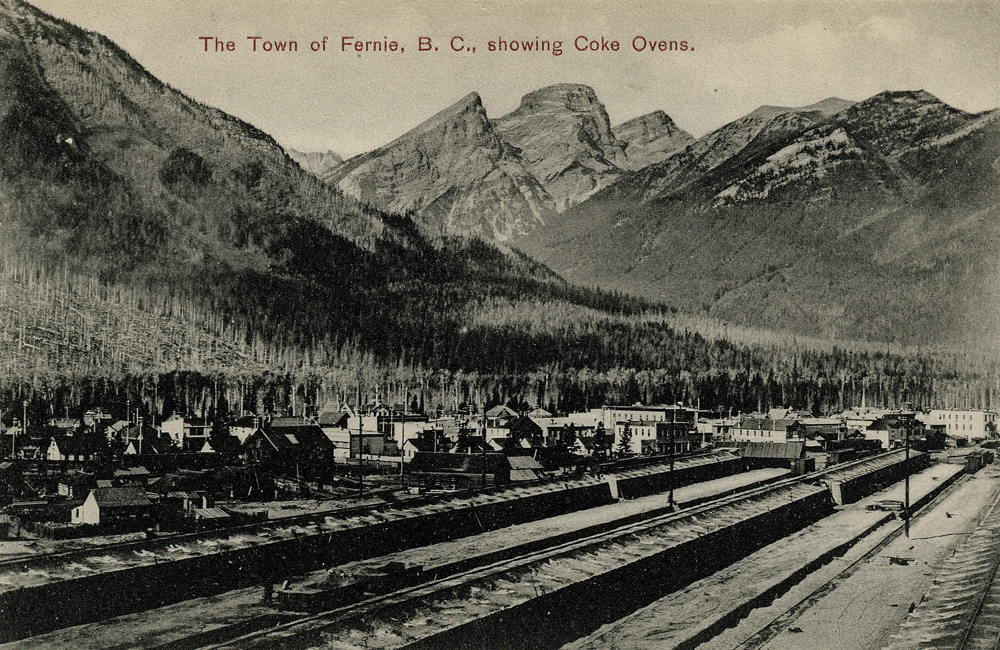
column 745, row 53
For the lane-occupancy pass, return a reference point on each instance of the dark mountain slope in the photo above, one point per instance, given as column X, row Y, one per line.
column 874, row 222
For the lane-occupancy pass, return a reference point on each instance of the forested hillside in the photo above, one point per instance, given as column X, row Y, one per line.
column 160, row 251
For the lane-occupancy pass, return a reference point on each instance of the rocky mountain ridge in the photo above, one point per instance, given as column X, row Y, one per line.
column 316, row 163
column 461, row 172
column 875, row 220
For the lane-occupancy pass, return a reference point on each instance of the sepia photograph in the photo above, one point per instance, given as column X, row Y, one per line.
column 499, row 324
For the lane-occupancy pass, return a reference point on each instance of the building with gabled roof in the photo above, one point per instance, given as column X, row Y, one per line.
column 764, row 429
column 71, row 448
column 115, row 506
column 289, row 439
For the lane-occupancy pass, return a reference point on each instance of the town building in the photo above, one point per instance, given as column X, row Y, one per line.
column 966, row 424
column 186, row 434
column 893, row 430
column 765, row 429
column 71, row 448
column 115, row 506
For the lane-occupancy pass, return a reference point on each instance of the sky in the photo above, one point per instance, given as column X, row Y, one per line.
column 741, row 54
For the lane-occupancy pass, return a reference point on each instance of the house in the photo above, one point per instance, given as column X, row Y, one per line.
column 114, row 431
column 29, row 443
column 678, row 435
column 137, row 475
column 765, row 429
column 146, row 442
column 892, row 430
column 635, row 436
column 243, row 428
column 413, row 446
column 71, row 448
column 498, row 420
column 583, row 446
column 289, row 439
column 635, row 427
column 95, row 418
column 76, row 486
column 115, row 506
column 186, row 434
column 187, row 501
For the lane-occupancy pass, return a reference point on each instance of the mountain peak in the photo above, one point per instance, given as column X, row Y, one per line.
column 454, row 171
column 829, row 106
column 651, row 138
column 564, row 137
column 470, row 101
column 564, row 96
column 316, row 163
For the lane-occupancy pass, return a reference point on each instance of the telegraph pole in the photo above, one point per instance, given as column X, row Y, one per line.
column 673, row 425
column 361, row 440
column 24, row 429
column 906, row 507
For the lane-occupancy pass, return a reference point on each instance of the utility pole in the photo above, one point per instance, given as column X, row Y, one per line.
column 24, row 427
column 906, row 507
column 361, row 440
column 673, row 425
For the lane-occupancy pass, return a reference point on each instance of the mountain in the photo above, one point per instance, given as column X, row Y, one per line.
column 316, row 163
column 115, row 187
column 763, row 125
column 650, row 138
column 461, row 173
column 455, row 171
column 876, row 220
column 158, row 252
column 564, row 138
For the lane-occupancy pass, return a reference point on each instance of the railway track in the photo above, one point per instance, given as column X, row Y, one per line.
column 546, row 574
column 961, row 611
column 784, row 620
column 348, row 512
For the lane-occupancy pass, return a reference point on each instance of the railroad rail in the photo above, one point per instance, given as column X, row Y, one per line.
column 961, row 611
column 138, row 545
column 547, row 567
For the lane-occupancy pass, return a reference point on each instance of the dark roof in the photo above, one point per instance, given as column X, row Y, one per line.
column 81, row 480
column 75, row 445
column 333, row 418
column 500, row 410
column 890, row 422
column 472, row 445
column 772, row 449
column 153, row 444
column 182, row 481
column 119, row 497
column 420, row 444
column 138, row 470
column 458, row 463
column 287, row 437
column 766, row 424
